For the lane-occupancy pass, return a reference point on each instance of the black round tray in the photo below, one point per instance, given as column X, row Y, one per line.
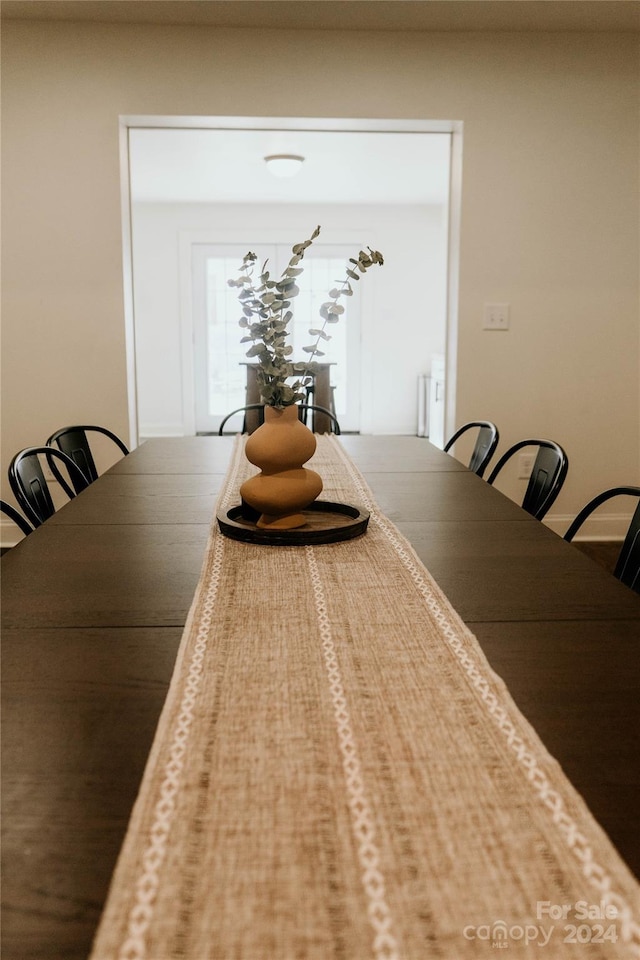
column 326, row 523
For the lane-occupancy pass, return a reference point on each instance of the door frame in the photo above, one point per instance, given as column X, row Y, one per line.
column 335, row 125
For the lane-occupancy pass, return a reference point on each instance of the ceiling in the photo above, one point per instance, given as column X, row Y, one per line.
column 511, row 15
column 227, row 166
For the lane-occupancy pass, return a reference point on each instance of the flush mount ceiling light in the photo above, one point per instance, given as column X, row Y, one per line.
column 284, row 164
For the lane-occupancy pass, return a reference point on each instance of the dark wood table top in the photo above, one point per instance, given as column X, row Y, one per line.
column 95, row 600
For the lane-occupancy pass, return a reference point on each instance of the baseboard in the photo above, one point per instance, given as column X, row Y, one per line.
column 149, row 431
column 607, row 526
column 9, row 533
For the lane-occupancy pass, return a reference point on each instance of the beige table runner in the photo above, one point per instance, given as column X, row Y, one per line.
column 338, row 774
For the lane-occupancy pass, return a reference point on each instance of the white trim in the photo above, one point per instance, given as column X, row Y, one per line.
column 185, row 311
column 9, row 533
column 127, row 283
column 453, row 277
column 611, row 526
column 320, row 124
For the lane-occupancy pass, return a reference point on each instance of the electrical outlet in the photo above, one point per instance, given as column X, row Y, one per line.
column 496, row 316
column 526, row 465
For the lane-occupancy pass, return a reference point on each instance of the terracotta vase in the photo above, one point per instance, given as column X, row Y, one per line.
column 284, row 487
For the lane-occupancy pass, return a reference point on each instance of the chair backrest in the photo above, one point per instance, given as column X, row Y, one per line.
column 486, row 443
column 74, row 442
column 627, row 568
column 29, row 484
column 258, row 407
column 303, row 409
column 16, row 516
column 548, row 474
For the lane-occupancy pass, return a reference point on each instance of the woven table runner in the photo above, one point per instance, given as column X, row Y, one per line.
column 338, row 774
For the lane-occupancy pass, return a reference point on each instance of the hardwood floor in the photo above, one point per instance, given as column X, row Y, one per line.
column 604, row 552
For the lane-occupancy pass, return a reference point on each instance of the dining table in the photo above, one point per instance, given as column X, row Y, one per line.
column 97, row 606
column 319, row 393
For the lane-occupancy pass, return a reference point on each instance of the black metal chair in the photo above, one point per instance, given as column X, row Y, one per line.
column 30, row 486
column 627, row 568
column 310, row 392
column 303, row 409
column 486, row 443
column 547, row 475
column 74, row 442
column 17, row 517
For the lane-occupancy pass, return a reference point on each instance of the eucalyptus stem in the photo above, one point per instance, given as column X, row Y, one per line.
column 267, row 325
column 321, row 332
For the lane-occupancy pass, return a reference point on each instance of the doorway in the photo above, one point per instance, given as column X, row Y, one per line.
column 197, row 188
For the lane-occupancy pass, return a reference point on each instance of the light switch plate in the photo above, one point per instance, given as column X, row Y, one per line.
column 496, row 316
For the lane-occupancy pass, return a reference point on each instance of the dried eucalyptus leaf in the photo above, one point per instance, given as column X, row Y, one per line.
column 286, row 393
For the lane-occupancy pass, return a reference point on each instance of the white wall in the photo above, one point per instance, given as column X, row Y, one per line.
column 399, row 331
column 549, row 209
